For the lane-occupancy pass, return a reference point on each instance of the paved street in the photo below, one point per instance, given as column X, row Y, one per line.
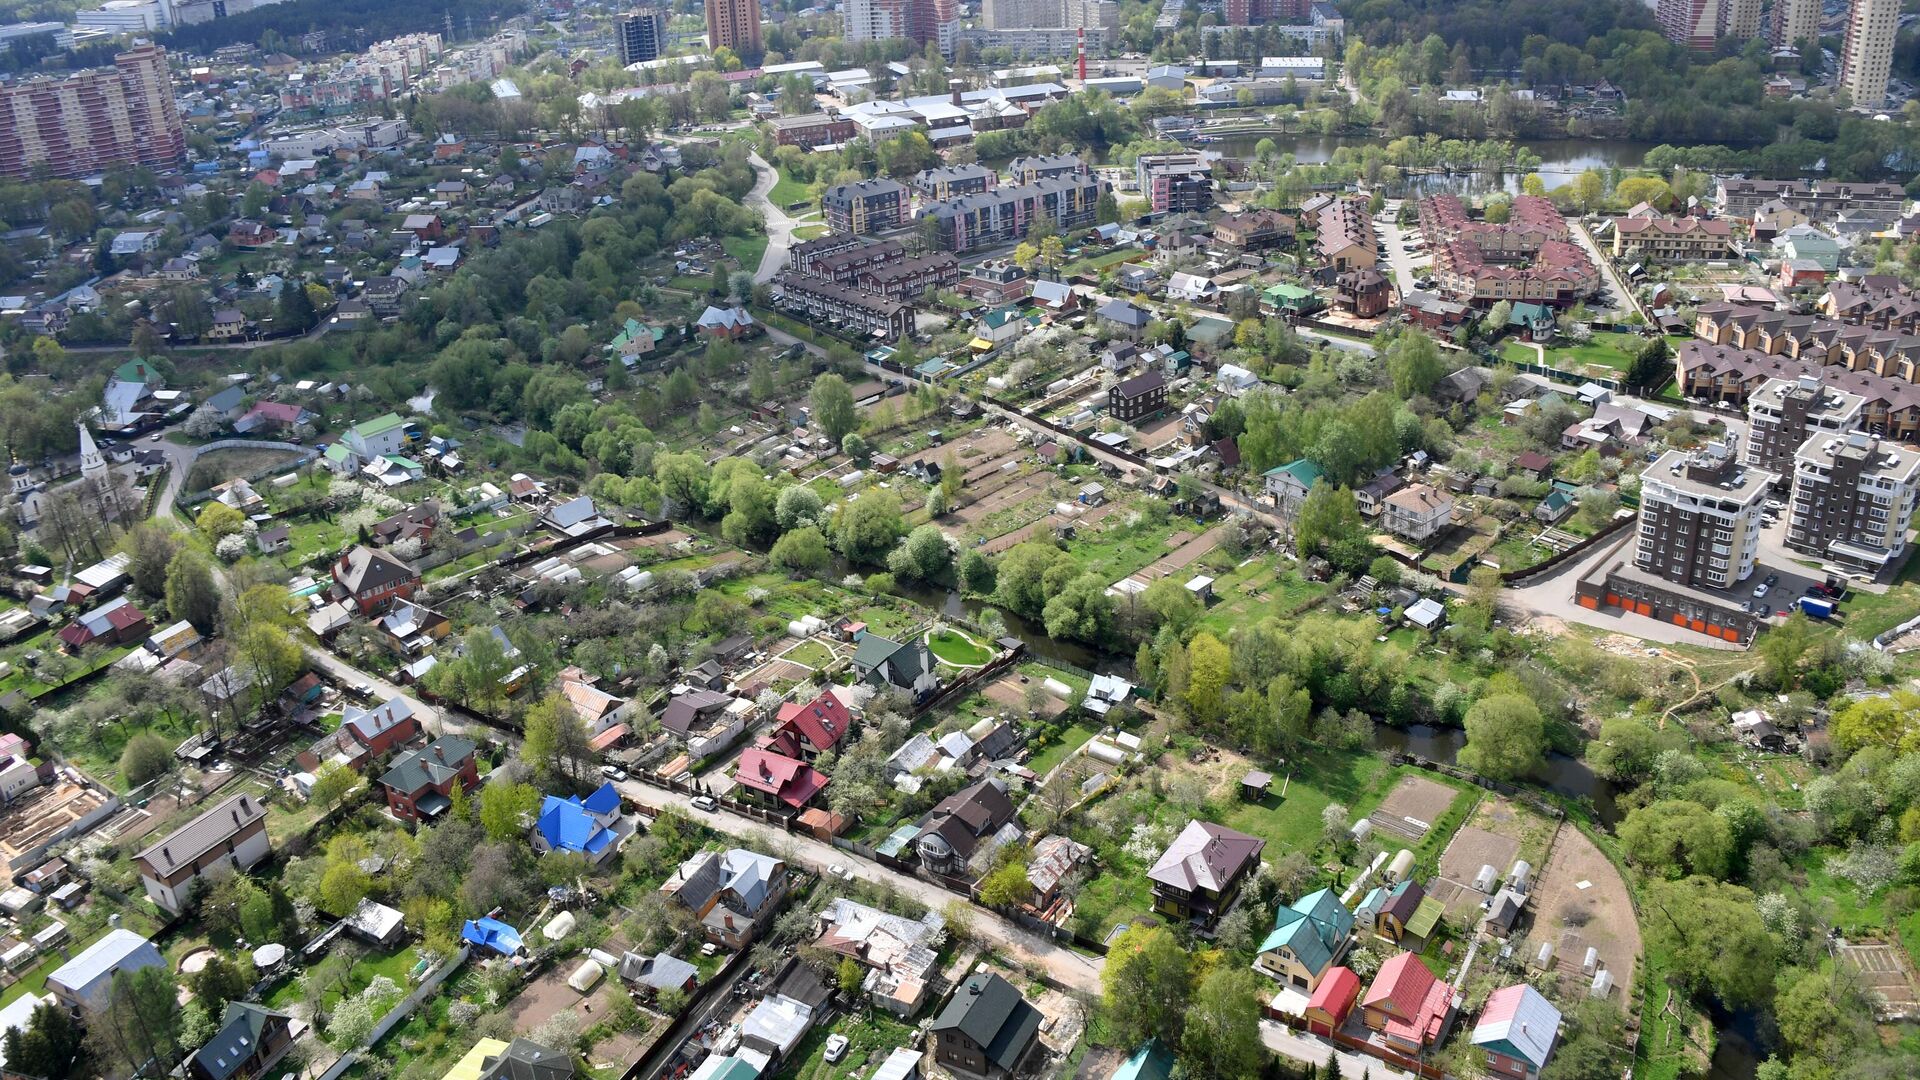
column 344, row 675
column 1066, row 966
column 779, row 226
column 1285, row 1041
column 1400, row 259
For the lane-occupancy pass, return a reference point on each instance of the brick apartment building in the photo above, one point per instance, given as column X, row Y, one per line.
column 1784, row 413
column 90, row 120
column 1852, row 498
column 866, row 207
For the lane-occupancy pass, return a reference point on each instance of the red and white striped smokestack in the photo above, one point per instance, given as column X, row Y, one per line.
column 1081, row 37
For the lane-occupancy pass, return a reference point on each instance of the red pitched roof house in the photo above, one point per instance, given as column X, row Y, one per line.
column 778, row 780
column 1331, row 1002
column 1408, row 1004
column 108, row 624
column 805, row 730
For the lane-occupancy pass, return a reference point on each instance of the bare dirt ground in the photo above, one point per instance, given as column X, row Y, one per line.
column 1470, row 849
column 1414, row 797
column 1009, row 691
column 550, row 994
column 986, row 443
column 1006, row 541
column 1599, row 916
column 1884, row 967
column 998, row 492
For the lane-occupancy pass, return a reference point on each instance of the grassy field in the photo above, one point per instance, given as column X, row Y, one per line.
column 870, row 1039
column 956, row 648
column 394, row 965
column 811, row 653
column 222, row 465
column 1320, row 778
column 789, row 190
column 810, row 232
column 1073, row 738
column 747, row 249
column 1100, row 262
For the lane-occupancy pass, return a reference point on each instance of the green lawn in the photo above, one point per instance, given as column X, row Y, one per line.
column 870, row 1039
column 789, row 190
column 1073, row 738
column 1100, row 262
column 956, row 648
column 811, row 653
column 810, row 232
column 1319, row 778
column 747, row 249
column 394, row 965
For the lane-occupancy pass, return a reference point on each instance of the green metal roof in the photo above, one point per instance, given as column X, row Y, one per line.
column 378, row 425
column 1304, row 471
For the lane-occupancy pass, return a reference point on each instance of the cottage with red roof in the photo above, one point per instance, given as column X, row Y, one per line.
column 1408, row 1004
column 1517, row 1029
column 806, row 730
column 777, row 780
column 109, row 624
column 271, row 416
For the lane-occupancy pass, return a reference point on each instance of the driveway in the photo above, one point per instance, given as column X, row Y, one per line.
column 347, row 675
column 1400, row 260
column 1065, row 966
column 779, row 226
column 1314, row 1050
column 1615, row 294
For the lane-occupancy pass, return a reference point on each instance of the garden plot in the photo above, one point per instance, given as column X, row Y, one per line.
column 1006, row 541
column 1000, row 492
column 1883, row 968
column 1187, row 550
column 1471, row 848
column 1412, row 807
column 1580, row 901
column 991, row 442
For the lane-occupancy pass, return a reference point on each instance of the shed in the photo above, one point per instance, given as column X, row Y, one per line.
column 1254, row 785
column 1201, row 588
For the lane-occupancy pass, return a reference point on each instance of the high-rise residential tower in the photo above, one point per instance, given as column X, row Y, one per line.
column 1872, row 26
column 82, row 123
column 734, row 24
column 641, row 35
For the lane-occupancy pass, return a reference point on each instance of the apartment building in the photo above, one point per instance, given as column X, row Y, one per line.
column 953, row 181
column 842, row 258
column 1868, row 53
column 1028, row 170
column 1794, row 21
column 1784, row 413
column 1853, row 496
column 866, row 207
column 1700, row 517
column 919, row 21
column 90, row 120
column 1176, row 183
column 641, row 35
column 734, row 24
column 1256, row 12
column 1005, row 214
column 1669, row 239
column 813, row 129
column 1697, row 24
column 910, row 277
column 843, row 307
column 1037, row 42
column 1821, row 200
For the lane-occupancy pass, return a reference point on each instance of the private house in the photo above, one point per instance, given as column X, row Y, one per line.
column 372, row 580
column 653, row 974
column 729, row 323
column 706, row 720
column 1327, row 1010
column 635, row 340
column 776, row 781
column 1408, row 1004
column 1138, row 398
column 596, row 708
column 1416, row 512
column 1287, row 485
column 414, row 523
column 806, row 730
column 113, row 623
column 900, row 960
column 1054, row 860
column 420, row 782
column 1553, row 509
column 362, row 736
column 592, row 827
column 230, row 836
column 884, row 662
column 1122, row 318
column 576, row 519
column 959, row 824
column 251, row 1041
column 987, row 1030
column 1366, row 293
column 524, row 1059
column 733, row 893
column 84, row 984
column 1395, row 913
column 1517, row 1029
column 1198, row 877
column 1371, row 497
column 1255, row 229
column 411, row 630
column 1309, row 937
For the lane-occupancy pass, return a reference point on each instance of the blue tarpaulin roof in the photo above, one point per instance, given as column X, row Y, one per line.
column 492, row 934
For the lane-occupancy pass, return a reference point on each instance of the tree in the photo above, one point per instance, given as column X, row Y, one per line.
column 343, row 886
column 804, row 549
column 556, row 740
column 294, row 312
column 1711, row 933
column 1652, row 365
column 503, row 805
column 333, row 783
column 146, row 758
column 52, row 1044
column 1780, row 651
column 797, row 505
column 1222, row 1037
column 1589, row 190
column 867, row 529
column 1625, row 749
column 219, row 982
column 139, row 1030
column 1080, row 611
column 1676, row 837
column 1007, row 886
column 854, row 445
column 832, row 407
column 218, row 520
column 1327, row 514
column 151, row 547
column 1414, row 363
column 1145, row 986
column 1209, row 667
column 924, row 555
column 1506, row 737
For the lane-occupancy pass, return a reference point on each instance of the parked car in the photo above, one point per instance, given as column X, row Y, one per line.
column 839, row 871
column 836, row 1047
column 613, row 772
column 1760, row 590
column 705, row 802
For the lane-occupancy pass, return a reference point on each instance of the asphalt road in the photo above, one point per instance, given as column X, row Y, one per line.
column 779, row 226
column 1065, row 966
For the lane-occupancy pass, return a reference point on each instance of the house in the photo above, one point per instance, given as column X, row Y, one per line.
column 1389, row 912
column 732, row 893
column 524, row 1059
column 900, row 955
column 729, row 323
column 420, row 782
column 112, row 623
column 653, row 974
column 1365, row 293
column 1417, row 511
column 884, row 662
column 957, row 825
column 987, row 1030
column 636, row 339
column 1255, row 229
column 777, row 781
column 1309, row 937
column 251, row 1041
column 372, row 580
column 1407, row 1004
column 1191, row 287
column 250, row 234
column 1332, row 1001
column 595, row 707
column 705, row 719
column 271, row 416
column 806, row 730
column 998, row 327
column 363, row 735
column 413, row 523
column 1554, row 508
column 1138, row 398
column 84, row 984
column 410, row 629
column 1123, row 319
column 1433, row 313
column 231, row 835
column 1371, row 497
column 1053, row 861
column 592, row 827
column 1287, row 485
column 1198, row 876
column 1516, row 1029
